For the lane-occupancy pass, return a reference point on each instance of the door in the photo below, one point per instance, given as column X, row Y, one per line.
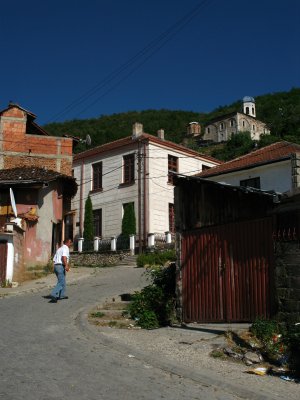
column 227, row 272
column 3, row 260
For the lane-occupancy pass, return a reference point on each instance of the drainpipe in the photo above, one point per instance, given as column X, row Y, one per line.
column 81, row 201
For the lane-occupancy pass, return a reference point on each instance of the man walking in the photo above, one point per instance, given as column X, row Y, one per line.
column 61, row 265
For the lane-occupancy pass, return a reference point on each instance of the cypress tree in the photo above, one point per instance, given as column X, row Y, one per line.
column 129, row 221
column 88, row 227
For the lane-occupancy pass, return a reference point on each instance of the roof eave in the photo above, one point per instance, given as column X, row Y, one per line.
column 250, row 166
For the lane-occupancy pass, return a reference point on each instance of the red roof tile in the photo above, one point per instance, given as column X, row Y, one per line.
column 275, row 152
column 127, row 141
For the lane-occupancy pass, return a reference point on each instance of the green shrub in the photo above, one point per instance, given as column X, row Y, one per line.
column 88, row 227
column 128, row 221
column 154, row 305
column 156, row 258
column 280, row 340
column 264, row 329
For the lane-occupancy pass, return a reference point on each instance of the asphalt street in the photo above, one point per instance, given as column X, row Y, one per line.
column 48, row 351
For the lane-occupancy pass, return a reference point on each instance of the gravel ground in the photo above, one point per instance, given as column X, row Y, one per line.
column 191, row 349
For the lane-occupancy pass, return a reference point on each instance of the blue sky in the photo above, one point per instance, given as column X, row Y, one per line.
column 66, row 59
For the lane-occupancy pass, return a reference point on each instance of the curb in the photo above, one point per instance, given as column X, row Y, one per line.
column 204, row 377
column 37, row 285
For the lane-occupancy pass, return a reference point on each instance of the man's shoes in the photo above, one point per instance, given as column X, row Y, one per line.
column 53, row 299
column 63, row 298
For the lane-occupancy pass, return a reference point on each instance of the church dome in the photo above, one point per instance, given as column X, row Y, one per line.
column 247, row 99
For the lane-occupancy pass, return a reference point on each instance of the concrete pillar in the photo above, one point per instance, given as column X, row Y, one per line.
column 96, row 243
column 151, row 240
column 168, row 237
column 132, row 244
column 113, row 243
column 80, row 244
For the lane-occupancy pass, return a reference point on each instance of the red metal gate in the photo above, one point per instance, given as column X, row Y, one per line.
column 3, row 260
column 226, row 272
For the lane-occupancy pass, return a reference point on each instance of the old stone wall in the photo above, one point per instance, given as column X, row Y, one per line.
column 287, row 279
column 93, row 259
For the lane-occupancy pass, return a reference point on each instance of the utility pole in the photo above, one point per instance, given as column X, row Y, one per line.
column 140, row 195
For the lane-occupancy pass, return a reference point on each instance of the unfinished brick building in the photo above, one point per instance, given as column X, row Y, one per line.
column 23, row 143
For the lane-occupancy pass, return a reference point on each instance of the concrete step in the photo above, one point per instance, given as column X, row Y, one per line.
column 128, row 260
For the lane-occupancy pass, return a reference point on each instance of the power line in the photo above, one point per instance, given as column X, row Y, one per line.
column 153, row 47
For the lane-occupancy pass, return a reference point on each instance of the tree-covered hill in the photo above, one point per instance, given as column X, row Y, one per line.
column 281, row 111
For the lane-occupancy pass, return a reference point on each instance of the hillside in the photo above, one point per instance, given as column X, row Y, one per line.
column 281, row 111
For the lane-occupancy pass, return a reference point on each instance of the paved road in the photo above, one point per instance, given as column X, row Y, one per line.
column 46, row 354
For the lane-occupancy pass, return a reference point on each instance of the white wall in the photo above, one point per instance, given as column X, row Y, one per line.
column 161, row 193
column 274, row 176
column 112, row 197
column 10, row 255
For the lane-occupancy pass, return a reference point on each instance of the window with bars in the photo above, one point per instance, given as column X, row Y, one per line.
column 171, row 218
column 172, row 167
column 97, row 220
column 97, row 176
column 128, row 168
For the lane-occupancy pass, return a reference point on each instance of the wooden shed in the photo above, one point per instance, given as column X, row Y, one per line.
column 225, row 251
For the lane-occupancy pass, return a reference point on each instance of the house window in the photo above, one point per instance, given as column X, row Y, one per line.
column 172, row 167
column 253, row 127
column 97, row 176
column 171, row 218
column 247, row 110
column 97, row 219
column 232, row 122
column 208, row 130
column 221, row 126
column 128, row 168
column 243, row 123
column 251, row 182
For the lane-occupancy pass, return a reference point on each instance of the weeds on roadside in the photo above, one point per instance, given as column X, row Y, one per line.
column 154, row 305
column 280, row 341
column 158, row 258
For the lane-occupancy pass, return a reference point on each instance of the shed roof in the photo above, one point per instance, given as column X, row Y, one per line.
column 244, row 189
column 27, row 176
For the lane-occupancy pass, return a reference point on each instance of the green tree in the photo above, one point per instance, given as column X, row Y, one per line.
column 88, row 227
column 128, row 221
column 237, row 145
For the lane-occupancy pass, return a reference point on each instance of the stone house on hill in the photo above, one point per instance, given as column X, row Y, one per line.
column 136, row 169
column 222, row 128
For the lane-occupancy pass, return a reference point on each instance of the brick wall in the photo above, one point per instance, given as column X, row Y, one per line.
column 287, row 279
column 19, row 148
